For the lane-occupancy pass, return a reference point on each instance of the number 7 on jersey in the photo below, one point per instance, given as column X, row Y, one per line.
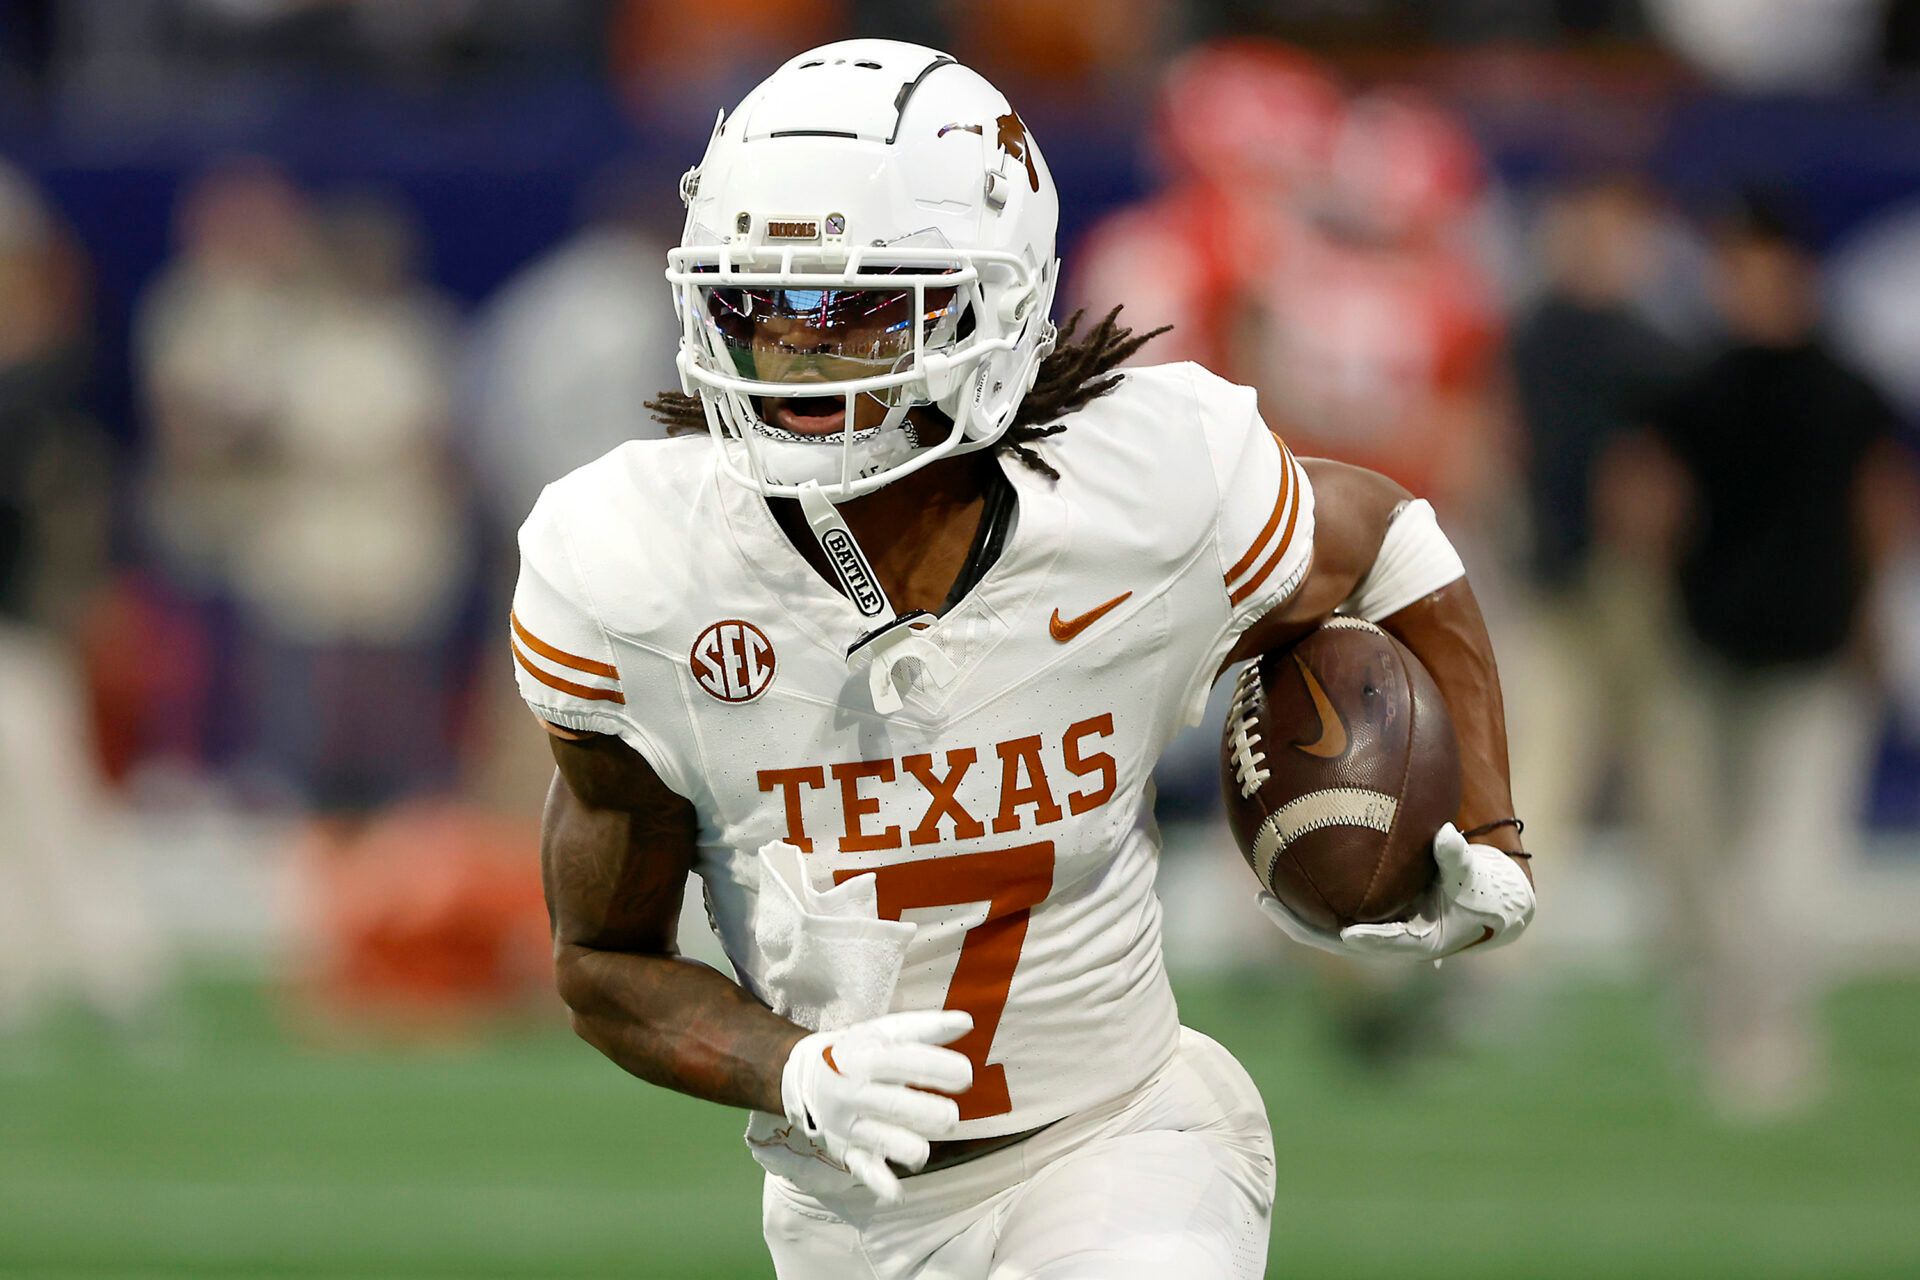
column 1012, row 882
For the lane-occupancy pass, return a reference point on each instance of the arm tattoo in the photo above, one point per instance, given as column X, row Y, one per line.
column 616, row 847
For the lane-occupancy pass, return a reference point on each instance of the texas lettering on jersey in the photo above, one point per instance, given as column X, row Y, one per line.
column 1025, row 795
column 1005, row 813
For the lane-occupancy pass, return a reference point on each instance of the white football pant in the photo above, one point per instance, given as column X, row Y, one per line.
column 1172, row 1180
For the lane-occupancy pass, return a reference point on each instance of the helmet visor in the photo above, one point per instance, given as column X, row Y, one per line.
column 794, row 337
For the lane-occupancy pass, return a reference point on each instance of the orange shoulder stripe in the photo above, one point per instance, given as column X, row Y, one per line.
column 1252, row 584
column 588, row 692
column 561, row 656
column 1273, row 521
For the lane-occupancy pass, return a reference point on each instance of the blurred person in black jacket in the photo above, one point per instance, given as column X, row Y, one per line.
column 1783, row 460
column 1588, row 367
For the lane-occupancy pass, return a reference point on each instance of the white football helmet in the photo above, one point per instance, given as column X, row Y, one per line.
column 871, row 230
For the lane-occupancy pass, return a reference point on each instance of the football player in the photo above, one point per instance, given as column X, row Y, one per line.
column 914, row 613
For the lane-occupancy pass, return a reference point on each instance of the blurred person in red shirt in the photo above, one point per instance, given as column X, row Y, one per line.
column 1322, row 252
column 1376, row 327
column 1245, row 129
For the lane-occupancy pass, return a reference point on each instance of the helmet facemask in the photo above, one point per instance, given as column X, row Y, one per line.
column 891, row 329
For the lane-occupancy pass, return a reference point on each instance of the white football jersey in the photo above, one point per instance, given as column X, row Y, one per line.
column 1007, row 814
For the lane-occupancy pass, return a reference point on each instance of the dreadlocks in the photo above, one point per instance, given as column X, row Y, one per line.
column 1072, row 375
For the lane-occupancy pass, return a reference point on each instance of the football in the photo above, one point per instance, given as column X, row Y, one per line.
column 1339, row 764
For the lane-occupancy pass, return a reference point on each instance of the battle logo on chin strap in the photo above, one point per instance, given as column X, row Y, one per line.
column 895, row 639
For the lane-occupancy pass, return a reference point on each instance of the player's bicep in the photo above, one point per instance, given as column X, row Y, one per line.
column 616, row 846
column 1352, row 509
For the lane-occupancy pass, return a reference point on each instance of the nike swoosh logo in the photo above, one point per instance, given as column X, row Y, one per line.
column 1064, row 631
column 1484, row 937
column 1333, row 734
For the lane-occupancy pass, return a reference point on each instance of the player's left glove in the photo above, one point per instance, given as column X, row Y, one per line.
column 864, row 1092
column 1478, row 899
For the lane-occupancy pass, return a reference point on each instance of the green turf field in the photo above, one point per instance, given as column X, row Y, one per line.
column 1566, row 1147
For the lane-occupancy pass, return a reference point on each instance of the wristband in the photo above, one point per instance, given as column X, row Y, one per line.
column 1519, row 827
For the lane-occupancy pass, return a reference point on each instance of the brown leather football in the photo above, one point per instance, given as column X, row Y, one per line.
column 1339, row 764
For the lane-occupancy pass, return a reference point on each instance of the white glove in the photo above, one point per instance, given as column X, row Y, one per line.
column 860, row 1092
column 1479, row 898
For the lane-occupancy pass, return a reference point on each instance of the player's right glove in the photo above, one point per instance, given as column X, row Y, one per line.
column 1478, row 898
column 861, row 1092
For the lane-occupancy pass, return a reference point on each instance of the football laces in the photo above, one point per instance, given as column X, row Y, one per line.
column 1243, row 717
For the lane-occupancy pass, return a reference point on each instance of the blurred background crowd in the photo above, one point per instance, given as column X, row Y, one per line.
column 302, row 302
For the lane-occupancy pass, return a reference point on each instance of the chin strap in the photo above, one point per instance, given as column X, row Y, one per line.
column 894, row 637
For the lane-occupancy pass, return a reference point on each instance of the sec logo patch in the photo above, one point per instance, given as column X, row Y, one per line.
column 733, row 661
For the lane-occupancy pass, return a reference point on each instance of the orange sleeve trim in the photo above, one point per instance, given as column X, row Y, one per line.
column 1252, row 584
column 588, row 692
column 561, row 656
column 1273, row 521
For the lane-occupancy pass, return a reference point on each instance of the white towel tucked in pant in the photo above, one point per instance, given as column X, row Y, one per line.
column 831, row 962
